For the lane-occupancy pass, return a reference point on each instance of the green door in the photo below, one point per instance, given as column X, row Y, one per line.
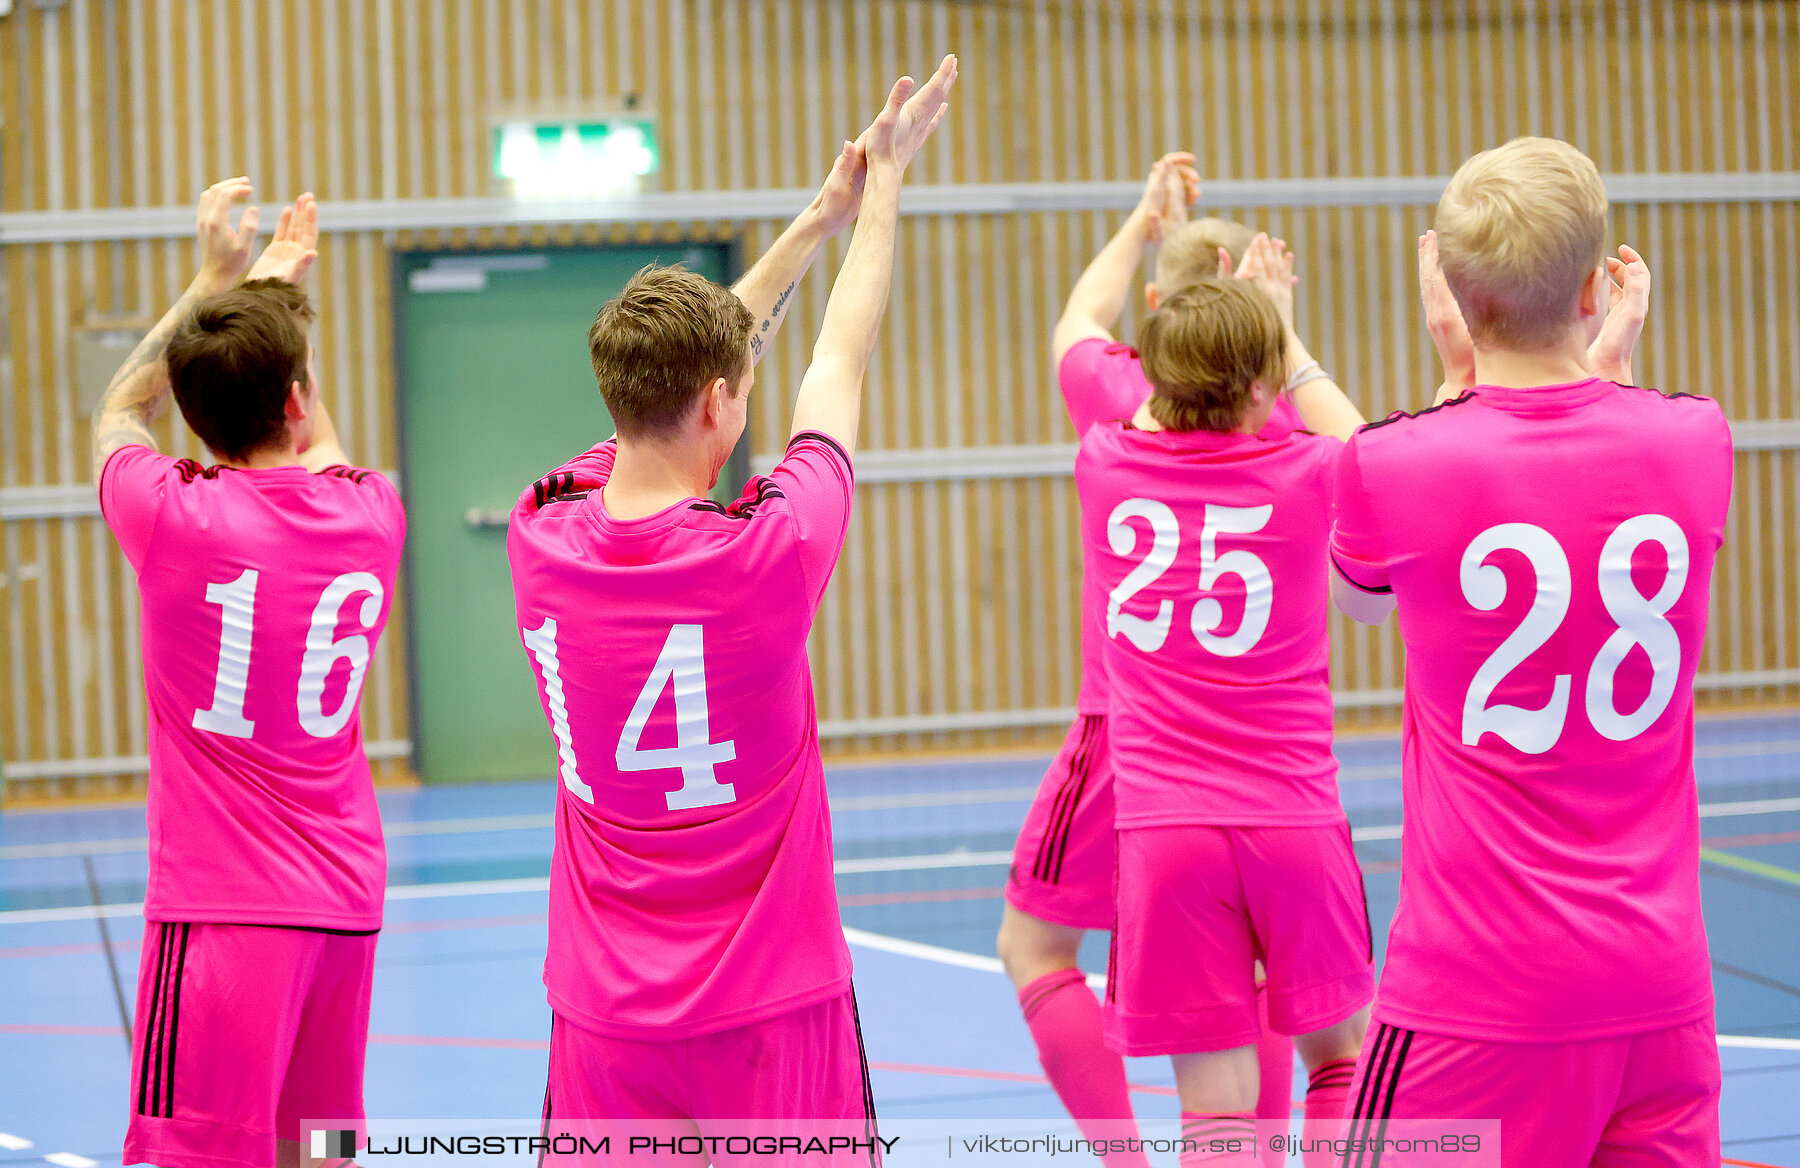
column 496, row 391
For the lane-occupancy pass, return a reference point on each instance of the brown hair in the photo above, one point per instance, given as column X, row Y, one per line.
column 1190, row 253
column 658, row 344
column 1203, row 349
column 1520, row 229
column 231, row 362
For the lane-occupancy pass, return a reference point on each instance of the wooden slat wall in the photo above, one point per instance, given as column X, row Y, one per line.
column 952, row 597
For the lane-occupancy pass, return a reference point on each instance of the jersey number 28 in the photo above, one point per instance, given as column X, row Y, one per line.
column 1640, row 621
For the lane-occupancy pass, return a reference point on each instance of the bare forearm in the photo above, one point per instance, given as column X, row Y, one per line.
column 830, row 397
column 1323, row 405
column 768, row 287
column 859, row 296
column 136, row 395
column 1098, row 299
column 325, row 450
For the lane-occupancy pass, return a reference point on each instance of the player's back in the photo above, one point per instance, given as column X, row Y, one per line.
column 1552, row 552
column 692, row 888
column 1210, row 548
column 263, row 594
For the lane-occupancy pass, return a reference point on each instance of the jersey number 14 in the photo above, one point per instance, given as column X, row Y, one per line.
column 682, row 666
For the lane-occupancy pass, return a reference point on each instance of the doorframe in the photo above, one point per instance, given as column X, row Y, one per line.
column 736, row 471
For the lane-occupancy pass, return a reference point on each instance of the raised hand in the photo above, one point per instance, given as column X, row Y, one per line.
column 1628, row 278
column 1444, row 320
column 909, row 117
column 1269, row 266
column 225, row 253
column 841, row 197
column 290, row 255
column 1172, row 187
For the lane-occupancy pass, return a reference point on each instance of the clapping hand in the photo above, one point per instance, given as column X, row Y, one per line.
column 290, row 255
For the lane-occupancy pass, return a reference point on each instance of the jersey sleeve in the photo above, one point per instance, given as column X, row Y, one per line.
column 1100, row 381
column 587, row 471
column 1357, row 548
column 133, row 484
column 816, row 479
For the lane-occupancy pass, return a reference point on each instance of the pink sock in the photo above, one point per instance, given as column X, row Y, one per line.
column 1327, row 1096
column 1226, row 1140
column 1065, row 1022
column 1275, row 1062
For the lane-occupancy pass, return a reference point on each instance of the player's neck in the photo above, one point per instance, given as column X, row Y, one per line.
column 648, row 477
column 267, row 458
column 1522, row 369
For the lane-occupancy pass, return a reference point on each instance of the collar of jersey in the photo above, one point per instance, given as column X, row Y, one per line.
column 1198, row 439
column 1526, row 399
column 654, row 523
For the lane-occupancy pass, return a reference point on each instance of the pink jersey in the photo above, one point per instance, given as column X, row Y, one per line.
column 1551, row 550
column 1101, row 382
column 1209, row 553
column 263, row 592
column 691, row 889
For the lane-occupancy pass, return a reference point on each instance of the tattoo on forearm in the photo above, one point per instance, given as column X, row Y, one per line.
column 780, row 306
column 135, row 395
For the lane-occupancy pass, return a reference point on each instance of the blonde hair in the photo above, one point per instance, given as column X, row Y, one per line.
column 1204, row 349
column 1520, row 229
column 658, row 344
column 1190, row 253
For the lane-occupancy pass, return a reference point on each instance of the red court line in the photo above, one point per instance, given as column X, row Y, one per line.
column 83, row 1031
column 436, row 1040
column 432, row 926
column 541, row 1044
column 1751, row 841
column 1747, row 1164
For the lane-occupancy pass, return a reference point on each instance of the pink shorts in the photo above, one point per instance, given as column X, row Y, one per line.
column 1062, row 869
column 1640, row 1101
column 242, row 1032
column 798, row 1076
column 1199, row 906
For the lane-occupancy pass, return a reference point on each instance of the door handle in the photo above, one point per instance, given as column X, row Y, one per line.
column 478, row 518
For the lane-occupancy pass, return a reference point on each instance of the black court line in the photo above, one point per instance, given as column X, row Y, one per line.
column 106, row 947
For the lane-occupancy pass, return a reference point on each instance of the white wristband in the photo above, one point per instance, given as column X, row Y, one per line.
column 1311, row 371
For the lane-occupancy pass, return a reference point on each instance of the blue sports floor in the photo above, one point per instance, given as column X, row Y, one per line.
column 460, row 1025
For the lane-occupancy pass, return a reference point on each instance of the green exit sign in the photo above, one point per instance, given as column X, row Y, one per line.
column 574, row 159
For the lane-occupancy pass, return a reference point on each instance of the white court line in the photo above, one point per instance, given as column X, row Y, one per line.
column 860, row 865
column 922, row 863
column 849, row 803
column 1752, row 1042
column 939, row 954
column 13, row 1143
column 71, row 1160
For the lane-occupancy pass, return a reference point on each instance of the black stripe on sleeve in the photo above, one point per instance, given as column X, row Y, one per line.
column 1383, row 590
column 821, row 436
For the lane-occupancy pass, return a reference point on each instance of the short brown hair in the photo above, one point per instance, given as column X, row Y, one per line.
column 1190, row 253
column 1520, row 229
column 1204, row 348
column 660, row 342
column 231, row 362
